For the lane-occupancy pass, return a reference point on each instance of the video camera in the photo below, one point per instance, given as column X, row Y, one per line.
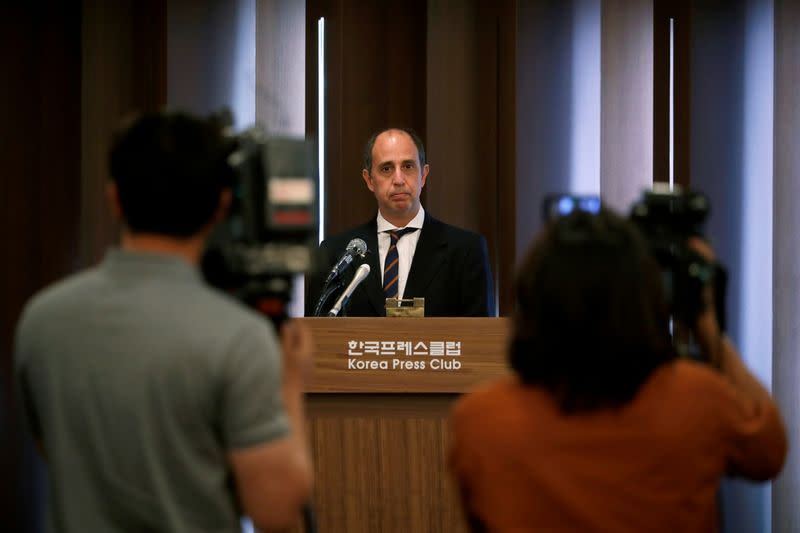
column 667, row 219
column 268, row 235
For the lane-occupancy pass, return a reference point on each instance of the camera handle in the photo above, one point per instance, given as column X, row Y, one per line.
column 683, row 338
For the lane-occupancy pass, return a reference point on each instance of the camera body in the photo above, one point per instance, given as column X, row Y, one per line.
column 667, row 219
column 269, row 233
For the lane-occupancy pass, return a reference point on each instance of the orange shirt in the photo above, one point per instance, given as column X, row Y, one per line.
column 654, row 465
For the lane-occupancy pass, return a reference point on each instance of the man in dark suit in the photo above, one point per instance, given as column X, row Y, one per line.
column 446, row 265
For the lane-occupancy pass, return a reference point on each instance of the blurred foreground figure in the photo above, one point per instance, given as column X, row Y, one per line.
column 159, row 403
column 602, row 427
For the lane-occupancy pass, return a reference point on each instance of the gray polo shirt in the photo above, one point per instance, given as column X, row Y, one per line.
column 137, row 377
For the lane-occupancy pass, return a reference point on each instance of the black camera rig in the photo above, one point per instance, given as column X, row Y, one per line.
column 268, row 235
column 668, row 218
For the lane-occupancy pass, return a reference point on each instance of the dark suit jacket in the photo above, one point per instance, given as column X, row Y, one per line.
column 450, row 270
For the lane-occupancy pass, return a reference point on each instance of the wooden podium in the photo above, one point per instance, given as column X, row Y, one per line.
column 377, row 404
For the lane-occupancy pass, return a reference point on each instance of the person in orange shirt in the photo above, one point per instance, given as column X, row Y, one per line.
column 601, row 426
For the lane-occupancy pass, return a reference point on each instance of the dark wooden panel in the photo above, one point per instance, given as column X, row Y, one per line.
column 498, row 215
column 661, row 50
column 126, row 42
column 471, row 124
column 682, row 93
column 375, row 77
column 41, row 152
column 380, row 463
column 65, row 85
column 39, row 205
column 680, row 13
column 458, row 159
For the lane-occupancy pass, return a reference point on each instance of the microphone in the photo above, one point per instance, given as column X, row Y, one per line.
column 361, row 273
column 354, row 248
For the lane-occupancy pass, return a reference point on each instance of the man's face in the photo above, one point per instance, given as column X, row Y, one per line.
column 396, row 178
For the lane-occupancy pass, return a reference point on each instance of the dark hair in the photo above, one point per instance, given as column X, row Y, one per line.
column 591, row 322
column 169, row 169
column 367, row 157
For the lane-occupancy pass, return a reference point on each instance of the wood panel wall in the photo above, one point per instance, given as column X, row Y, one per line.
column 381, row 459
column 375, row 69
column 498, row 127
column 471, row 125
column 124, row 72
column 680, row 13
column 71, row 70
column 39, row 205
column 453, row 109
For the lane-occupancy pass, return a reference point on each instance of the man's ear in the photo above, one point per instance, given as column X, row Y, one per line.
column 367, row 179
column 112, row 195
column 425, row 170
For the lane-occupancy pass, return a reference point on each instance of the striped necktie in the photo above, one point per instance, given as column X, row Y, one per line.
column 390, row 269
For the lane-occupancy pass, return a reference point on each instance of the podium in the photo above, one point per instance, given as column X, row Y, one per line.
column 377, row 405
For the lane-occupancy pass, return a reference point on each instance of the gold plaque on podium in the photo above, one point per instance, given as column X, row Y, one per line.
column 414, row 307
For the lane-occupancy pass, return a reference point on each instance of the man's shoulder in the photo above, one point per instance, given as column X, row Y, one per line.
column 91, row 292
column 48, row 307
column 63, row 290
column 452, row 233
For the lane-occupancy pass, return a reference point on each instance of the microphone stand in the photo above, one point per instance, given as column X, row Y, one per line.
column 327, row 290
column 309, row 520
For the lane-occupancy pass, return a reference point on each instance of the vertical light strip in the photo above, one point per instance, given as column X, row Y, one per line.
column 671, row 102
column 671, row 124
column 321, row 122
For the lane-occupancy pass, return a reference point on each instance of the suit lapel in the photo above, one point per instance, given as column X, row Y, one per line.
column 429, row 257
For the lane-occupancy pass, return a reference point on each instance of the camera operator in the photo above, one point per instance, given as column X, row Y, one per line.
column 602, row 427
column 158, row 402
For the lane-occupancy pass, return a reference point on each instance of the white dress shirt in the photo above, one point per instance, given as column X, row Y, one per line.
column 405, row 247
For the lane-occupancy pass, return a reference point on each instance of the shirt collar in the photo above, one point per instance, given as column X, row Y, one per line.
column 416, row 222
